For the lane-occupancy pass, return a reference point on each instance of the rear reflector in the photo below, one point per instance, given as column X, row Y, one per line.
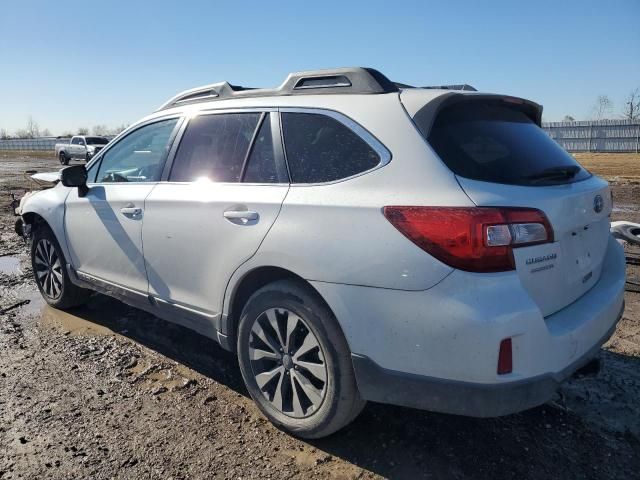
column 475, row 239
column 505, row 357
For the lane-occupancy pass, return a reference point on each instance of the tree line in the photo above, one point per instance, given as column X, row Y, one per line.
column 32, row 130
column 604, row 108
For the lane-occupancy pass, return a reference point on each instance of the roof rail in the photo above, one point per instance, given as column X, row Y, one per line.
column 338, row 80
column 462, row 86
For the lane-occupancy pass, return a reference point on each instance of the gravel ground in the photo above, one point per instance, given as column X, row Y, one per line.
column 106, row 391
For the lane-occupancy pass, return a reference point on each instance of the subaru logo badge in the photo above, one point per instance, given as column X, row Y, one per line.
column 598, row 203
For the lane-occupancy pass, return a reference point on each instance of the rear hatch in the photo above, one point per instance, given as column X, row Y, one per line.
column 502, row 157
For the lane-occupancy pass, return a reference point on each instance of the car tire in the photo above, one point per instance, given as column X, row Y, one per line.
column 64, row 160
column 87, row 158
column 295, row 398
column 50, row 272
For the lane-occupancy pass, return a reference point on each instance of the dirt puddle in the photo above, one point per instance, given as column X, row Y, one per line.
column 10, row 265
column 71, row 324
column 35, row 302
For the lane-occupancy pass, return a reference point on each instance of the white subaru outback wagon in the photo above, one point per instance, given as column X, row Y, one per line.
column 351, row 239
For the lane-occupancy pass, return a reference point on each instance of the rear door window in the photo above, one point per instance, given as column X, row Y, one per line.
column 321, row 149
column 495, row 142
column 214, row 147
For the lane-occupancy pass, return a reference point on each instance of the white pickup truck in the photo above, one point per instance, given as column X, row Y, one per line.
column 80, row 147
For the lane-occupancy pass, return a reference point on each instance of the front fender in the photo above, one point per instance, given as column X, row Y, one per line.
column 49, row 205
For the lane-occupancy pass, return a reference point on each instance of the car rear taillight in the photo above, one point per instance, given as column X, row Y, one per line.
column 475, row 239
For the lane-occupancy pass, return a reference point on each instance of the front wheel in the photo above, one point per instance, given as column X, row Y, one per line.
column 49, row 270
column 64, row 160
column 295, row 361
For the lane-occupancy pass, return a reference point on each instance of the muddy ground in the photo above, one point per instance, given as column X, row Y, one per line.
column 106, row 391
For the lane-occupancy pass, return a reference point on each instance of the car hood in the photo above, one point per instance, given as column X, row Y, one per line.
column 46, row 177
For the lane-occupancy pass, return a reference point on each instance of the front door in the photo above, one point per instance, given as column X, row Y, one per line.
column 104, row 227
column 74, row 147
column 227, row 184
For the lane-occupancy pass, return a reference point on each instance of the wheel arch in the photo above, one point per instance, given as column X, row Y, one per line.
column 251, row 281
column 47, row 208
column 34, row 220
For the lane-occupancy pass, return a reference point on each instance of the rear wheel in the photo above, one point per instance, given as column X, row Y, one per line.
column 295, row 361
column 49, row 270
column 64, row 160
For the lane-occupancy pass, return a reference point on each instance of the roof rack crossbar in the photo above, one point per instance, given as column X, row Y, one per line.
column 354, row 80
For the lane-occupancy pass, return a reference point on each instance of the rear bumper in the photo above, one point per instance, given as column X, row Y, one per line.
column 463, row 398
column 438, row 349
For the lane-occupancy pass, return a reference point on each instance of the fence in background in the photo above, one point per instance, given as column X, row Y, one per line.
column 42, row 143
column 585, row 136
column 596, row 135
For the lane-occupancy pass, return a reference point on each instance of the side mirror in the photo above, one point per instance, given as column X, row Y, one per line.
column 75, row 176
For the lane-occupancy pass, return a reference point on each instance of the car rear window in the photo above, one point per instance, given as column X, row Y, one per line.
column 321, row 149
column 96, row 140
column 496, row 142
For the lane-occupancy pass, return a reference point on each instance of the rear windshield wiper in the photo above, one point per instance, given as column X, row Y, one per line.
column 555, row 173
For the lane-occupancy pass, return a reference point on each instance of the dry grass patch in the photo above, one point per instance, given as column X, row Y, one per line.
column 612, row 166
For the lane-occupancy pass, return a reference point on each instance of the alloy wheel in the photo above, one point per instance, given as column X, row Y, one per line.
column 288, row 363
column 48, row 269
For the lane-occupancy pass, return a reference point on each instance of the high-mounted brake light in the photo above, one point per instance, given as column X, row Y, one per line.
column 518, row 101
column 475, row 239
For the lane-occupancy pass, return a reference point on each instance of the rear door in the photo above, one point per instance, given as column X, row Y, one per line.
column 224, row 191
column 502, row 158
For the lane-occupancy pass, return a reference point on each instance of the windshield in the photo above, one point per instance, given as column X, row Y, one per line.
column 491, row 141
column 96, row 141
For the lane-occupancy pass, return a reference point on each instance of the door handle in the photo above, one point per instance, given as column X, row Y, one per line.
column 243, row 215
column 131, row 211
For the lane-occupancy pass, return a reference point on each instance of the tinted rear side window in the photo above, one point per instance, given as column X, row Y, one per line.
column 214, row 147
column 322, row 149
column 494, row 142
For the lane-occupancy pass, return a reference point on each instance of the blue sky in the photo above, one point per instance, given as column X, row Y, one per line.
column 81, row 63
